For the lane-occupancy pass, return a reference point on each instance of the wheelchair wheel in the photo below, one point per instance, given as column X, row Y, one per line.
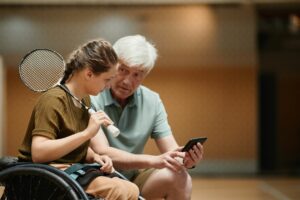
column 30, row 183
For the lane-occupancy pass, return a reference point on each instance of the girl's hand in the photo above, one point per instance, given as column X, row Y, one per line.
column 106, row 162
column 96, row 120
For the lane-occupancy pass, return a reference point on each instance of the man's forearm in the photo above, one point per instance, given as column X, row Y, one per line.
column 124, row 160
column 121, row 159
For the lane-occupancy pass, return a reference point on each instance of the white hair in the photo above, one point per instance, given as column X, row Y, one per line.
column 136, row 51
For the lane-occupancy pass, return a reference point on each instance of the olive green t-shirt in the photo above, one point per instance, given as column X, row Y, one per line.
column 55, row 116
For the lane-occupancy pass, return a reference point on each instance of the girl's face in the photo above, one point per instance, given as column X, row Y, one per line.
column 101, row 81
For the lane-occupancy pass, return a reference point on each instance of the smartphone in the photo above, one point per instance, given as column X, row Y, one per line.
column 192, row 142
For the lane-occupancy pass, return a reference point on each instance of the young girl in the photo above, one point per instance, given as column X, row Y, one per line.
column 59, row 130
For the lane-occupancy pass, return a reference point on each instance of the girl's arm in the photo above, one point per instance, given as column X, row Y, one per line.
column 44, row 149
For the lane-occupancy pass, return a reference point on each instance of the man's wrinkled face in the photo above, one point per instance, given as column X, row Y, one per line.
column 127, row 80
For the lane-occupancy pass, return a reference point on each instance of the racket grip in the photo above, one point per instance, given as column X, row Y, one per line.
column 113, row 130
column 110, row 128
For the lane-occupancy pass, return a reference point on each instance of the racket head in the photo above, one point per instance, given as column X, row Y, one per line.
column 41, row 69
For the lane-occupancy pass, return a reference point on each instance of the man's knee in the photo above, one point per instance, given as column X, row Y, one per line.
column 187, row 184
column 168, row 184
column 181, row 179
column 182, row 183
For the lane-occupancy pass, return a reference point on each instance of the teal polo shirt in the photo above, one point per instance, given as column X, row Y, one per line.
column 143, row 117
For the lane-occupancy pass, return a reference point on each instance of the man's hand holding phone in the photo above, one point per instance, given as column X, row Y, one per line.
column 194, row 152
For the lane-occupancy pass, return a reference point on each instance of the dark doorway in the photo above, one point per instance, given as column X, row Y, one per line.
column 279, row 88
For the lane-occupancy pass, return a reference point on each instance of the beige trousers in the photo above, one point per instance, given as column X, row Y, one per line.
column 109, row 188
column 112, row 189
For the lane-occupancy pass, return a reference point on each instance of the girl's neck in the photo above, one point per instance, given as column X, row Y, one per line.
column 75, row 89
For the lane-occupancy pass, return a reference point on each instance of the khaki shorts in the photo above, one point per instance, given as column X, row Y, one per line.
column 142, row 177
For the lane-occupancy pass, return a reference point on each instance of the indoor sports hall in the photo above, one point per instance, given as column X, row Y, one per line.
column 228, row 70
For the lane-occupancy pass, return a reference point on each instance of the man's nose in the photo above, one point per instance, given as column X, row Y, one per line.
column 128, row 79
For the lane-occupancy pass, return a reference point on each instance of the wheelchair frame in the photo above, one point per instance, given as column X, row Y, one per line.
column 28, row 181
column 43, row 182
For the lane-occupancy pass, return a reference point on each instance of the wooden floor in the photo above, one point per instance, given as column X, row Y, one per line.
column 270, row 188
column 214, row 188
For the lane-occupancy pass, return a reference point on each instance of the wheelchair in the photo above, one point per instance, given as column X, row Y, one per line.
column 32, row 181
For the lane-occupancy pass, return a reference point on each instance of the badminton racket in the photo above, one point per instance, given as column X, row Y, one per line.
column 42, row 69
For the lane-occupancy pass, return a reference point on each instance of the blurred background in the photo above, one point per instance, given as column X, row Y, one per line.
column 227, row 69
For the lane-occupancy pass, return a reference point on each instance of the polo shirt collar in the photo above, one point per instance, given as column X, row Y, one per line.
column 108, row 100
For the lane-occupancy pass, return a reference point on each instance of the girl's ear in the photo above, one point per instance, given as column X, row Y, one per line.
column 88, row 73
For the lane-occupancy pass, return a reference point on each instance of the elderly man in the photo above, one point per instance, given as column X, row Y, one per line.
column 140, row 114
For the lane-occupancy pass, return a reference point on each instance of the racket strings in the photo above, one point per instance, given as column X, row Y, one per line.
column 41, row 69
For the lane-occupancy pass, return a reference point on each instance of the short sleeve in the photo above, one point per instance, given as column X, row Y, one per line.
column 47, row 116
column 161, row 126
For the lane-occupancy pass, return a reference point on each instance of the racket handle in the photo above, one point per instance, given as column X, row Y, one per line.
column 113, row 130
column 110, row 128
